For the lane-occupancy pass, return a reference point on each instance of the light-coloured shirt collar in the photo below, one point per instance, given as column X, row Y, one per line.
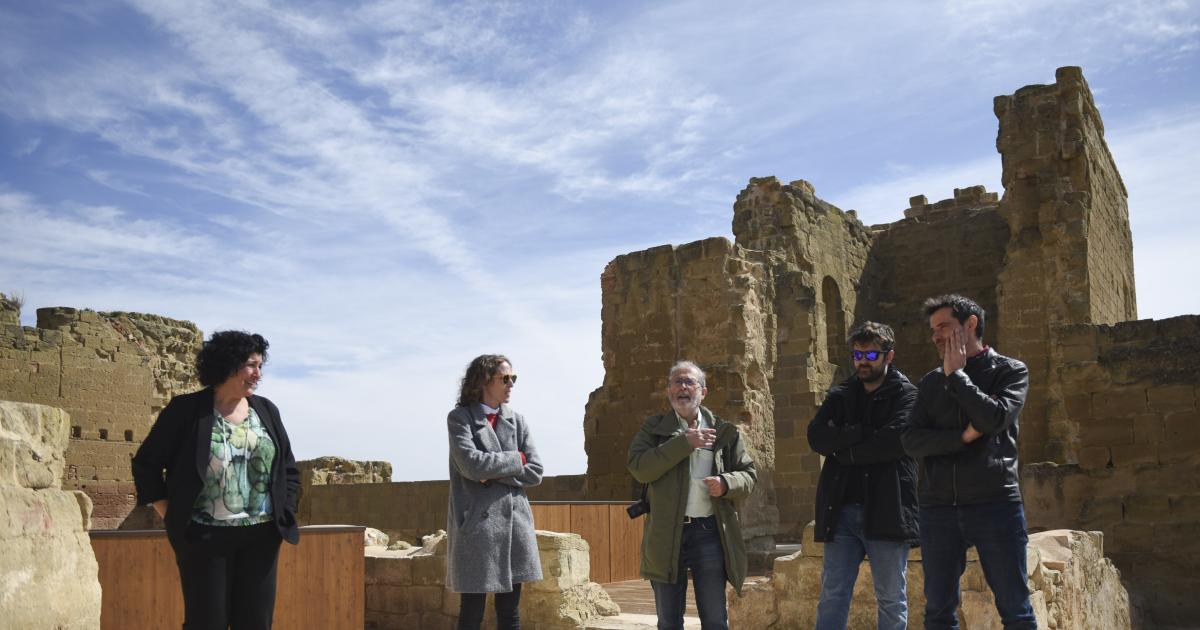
column 487, row 409
column 703, row 421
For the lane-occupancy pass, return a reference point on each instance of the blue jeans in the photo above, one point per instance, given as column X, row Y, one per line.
column 843, row 555
column 701, row 552
column 997, row 530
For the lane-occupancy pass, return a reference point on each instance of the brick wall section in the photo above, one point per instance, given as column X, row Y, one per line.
column 112, row 372
column 953, row 245
column 1133, row 394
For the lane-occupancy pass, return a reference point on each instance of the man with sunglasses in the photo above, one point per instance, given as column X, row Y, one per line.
column 964, row 429
column 867, row 493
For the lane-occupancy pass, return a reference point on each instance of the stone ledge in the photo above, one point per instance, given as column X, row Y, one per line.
column 1072, row 586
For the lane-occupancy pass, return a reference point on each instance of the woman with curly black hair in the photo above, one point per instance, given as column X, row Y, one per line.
column 492, row 545
column 217, row 466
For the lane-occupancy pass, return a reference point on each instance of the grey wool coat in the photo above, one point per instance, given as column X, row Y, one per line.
column 491, row 536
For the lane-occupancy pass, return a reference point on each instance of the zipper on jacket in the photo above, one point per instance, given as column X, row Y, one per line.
column 954, row 482
column 679, row 514
column 954, row 465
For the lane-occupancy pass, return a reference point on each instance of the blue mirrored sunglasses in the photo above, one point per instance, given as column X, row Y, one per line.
column 870, row 355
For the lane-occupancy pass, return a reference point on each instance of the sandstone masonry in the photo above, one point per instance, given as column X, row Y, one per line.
column 1105, row 434
column 112, row 372
column 48, row 572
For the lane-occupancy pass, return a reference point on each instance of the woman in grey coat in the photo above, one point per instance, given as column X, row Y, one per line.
column 493, row 548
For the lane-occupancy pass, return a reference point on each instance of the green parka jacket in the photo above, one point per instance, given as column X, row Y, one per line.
column 659, row 457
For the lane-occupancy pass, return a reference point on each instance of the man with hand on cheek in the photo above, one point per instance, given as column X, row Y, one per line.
column 964, row 430
column 694, row 467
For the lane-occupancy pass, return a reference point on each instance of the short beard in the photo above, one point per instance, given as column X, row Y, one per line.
column 875, row 376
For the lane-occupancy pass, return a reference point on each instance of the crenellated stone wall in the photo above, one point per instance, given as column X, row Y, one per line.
column 954, row 244
column 48, row 572
column 112, row 372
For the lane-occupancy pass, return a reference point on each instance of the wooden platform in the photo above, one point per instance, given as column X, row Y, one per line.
column 320, row 584
column 636, row 597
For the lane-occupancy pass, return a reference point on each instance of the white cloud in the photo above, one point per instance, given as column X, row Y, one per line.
column 86, row 237
column 884, row 201
column 1158, row 158
column 28, row 147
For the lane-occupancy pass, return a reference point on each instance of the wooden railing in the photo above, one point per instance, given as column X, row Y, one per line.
column 320, row 583
column 615, row 540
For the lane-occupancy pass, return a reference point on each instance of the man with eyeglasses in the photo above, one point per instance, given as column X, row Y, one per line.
column 964, row 429
column 695, row 467
column 867, row 493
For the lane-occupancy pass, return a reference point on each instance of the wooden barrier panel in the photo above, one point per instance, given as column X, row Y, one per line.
column 614, row 540
column 320, row 581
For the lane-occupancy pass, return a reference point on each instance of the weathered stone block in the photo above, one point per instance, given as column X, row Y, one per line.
column 1119, row 402
column 1072, row 587
column 384, row 566
column 48, row 572
column 1147, row 509
column 565, row 561
column 1131, row 454
column 33, row 440
column 1171, row 398
column 1093, row 457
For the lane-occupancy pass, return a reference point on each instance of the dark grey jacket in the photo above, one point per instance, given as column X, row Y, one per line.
column 989, row 393
column 860, row 432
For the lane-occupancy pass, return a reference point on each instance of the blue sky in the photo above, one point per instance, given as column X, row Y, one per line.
column 387, row 189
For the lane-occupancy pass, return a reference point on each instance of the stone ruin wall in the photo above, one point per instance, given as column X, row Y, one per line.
column 1054, row 252
column 407, row 510
column 1072, row 585
column 701, row 301
column 757, row 315
column 957, row 242
column 48, row 571
column 406, row 589
column 1132, row 396
column 1070, row 254
column 112, row 372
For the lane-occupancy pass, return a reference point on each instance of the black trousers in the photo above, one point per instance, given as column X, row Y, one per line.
column 508, row 610
column 228, row 576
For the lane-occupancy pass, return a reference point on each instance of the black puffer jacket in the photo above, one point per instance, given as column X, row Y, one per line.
column 856, row 430
column 989, row 393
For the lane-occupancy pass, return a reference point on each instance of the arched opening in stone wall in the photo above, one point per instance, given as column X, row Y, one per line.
column 835, row 327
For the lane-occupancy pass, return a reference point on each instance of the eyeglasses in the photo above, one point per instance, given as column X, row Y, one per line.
column 508, row 379
column 870, row 355
column 686, row 381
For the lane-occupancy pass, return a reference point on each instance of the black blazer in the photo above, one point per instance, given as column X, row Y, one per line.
column 179, row 445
